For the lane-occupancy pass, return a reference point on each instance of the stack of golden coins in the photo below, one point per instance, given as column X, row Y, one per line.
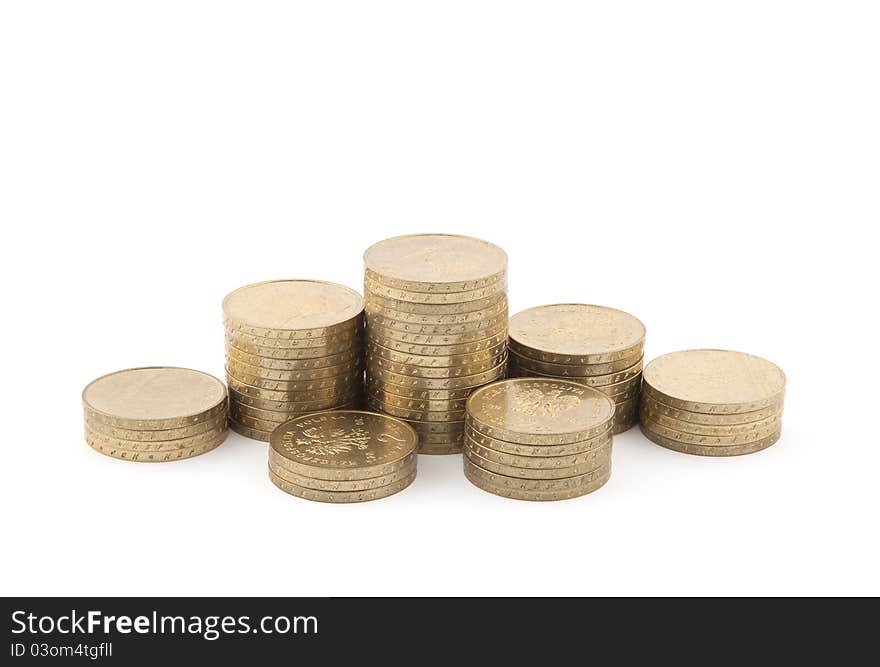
column 538, row 439
column 594, row 345
column 712, row 402
column 155, row 414
column 436, row 321
column 292, row 347
column 344, row 456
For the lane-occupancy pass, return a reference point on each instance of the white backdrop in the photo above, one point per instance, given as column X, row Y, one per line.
column 710, row 167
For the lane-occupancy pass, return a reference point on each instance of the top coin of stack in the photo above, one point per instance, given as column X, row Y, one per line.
column 538, row 439
column 597, row 346
column 436, row 329
column 344, row 456
column 712, row 402
column 155, row 414
column 292, row 347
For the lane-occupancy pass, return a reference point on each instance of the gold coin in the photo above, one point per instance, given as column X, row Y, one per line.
column 479, row 346
column 378, row 385
column 574, row 333
column 466, row 373
column 373, row 288
column 340, row 496
column 595, row 381
column 491, row 356
column 573, row 370
column 434, row 309
column 601, row 459
column 305, row 369
column 572, row 449
column 557, row 466
column 429, row 333
column 438, row 405
column 292, row 388
column 625, row 395
column 344, row 445
column 341, row 485
column 714, row 381
column 541, row 485
column 490, row 312
column 317, row 356
column 349, row 329
column 710, row 450
column 295, row 395
column 270, row 426
column 525, row 494
column 302, row 305
column 125, row 434
column 321, row 346
column 701, row 439
column 249, row 374
column 711, row 419
column 379, row 372
column 428, row 429
column 248, row 432
column 435, row 340
column 266, row 394
column 415, row 415
column 288, row 406
column 436, row 449
column 294, row 409
column 770, row 423
column 538, row 411
column 156, row 445
column 154, row 398
column 151, row 456
column 626, row 415
column 435, row 262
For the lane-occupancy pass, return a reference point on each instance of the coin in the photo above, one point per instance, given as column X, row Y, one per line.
column 391, row 305
column 294, row 305
column 153, row 456
column 701, row 439
column 710, row 450
column 491, row 356
column 434, row 428
column 293, row 389
column 573, row 370
column 439, row 405
column 492, row 342
column 374, row 288
column 248, row 432
column 321, row 346
column 591, row 381
column 248, row 374
column 714, row 381
column 157, row 445
column 494, row 365
column 626, row 394
column 600, row 453
column 576, row 334
column 350, row 328
column 261, row 393
column 340, row 496
column 524, row 494
column 380, row 370
column 269, row 426
column 626, row 415
column 539, row 411
column 711, row 419
column 378, row 385
column 435, row 262
column 433, row 449
column 316, row 356
column 516, row 449
column 416, row 415
column 284, row 406
column 344, row 445
column 601, row 459
column 240, row 409
column 436, row 319
column 294, row 395
column 305, row 369
column 409, row 331
column 154, row 398
column 768, row 424
column 125, row 434
column 542, row 485
column 341, row 485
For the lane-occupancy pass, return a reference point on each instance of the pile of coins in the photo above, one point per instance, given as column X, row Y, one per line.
column 155, row 414
column 292, row 347
column 344, row 456
column 593, row 345
column 712, row 402
column 436, row 323
column 538, row 439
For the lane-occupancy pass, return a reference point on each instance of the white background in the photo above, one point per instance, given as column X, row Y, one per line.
column 711, row 167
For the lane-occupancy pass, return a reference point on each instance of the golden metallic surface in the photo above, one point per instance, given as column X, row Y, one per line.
column 600, row 453
column 429, row 333
column 702, row 439
column 239, row 410
column 591, row 381
column 263, row 394
column 270, row 426
column 436, row 319
column 602, row 458
column 345, row 444
column 624, row 395
column 525, row 494
column 288, row 475
column 377, row 384
column 152, row 456
column 434, row 288
column 626, row 415
column 433, row 449
column 373, row 288
column 289, row 406
column 310, row 369
column 293, row 305
column 771, row 423
column 317, row 347
column 157, row 445
column 415, row 415
column 154, row 398
column 463, row 376
column 495, row 341
column 711, row 419
column 433, row 341
column 247, row 374
column 248, row 432
column 435, row 428
column 714, row 381
column 487, row 358
column 438, row 405
column 475, row 472
column 573, row 370
column 380, row 373
column 316, row 357
column 125, row 434
column 710, row 450
column 576, row 334
column 571, row 449
column 389, row 306
column 340, row 496
column 260, row 387
column 296, row 396
column 444, row 262
column 348, row 329
column 539, row 411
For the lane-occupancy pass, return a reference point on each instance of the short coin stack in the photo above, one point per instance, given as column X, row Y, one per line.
column 712, row 402
column 597, row 346
column 155, row 414
column 436, row 322
column 538, row 439
column 344, row 456
column 292, row 347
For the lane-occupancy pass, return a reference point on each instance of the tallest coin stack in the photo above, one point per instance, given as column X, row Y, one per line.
column 436, row 330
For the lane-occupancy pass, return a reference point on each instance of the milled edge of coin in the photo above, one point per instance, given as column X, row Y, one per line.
column 373, row 288
column 711, row 450
column 341, row 496
column 433, row 428
column 559, row 484
column 285, row 390
column 472, row 381
column 528, row 494
column 492, row 355
column 602, row 459
column 242, row 373
column 306, row 354
column 268, row 427
column 146, row 437
column 435, row 288
column 429, row 317
column 421, row 404
column 343, row 485
column 393, row 328
column 330, row 341
column 154, row 456
column 562, row 466
column 435, row 449
column 277, row 406
column 376, row 364
column 712, row 418
column 715, row 440
column 434, row 309
column 306, row 368
column 540, row 450
column 265, row 414
column 248, row 432
column 348, row 328
column 297, row 395
column 415, row 415
column 458, row 349
column 374, row 384
column 649, row 416
column 575, row 370
column 345, row 474
column 595, row 381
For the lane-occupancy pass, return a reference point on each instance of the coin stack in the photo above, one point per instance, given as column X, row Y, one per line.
column 345, row 456
column 292, row 347
column 155, row 414
column 712, row 402
column 597, row 346
column 436, row 322
column 538, row 439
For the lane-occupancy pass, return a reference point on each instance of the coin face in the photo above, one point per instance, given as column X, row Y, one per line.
column 525, row 409
column 292, row 304
column 435, row 258
column 572, row 333
column 156, row 397
column 714, row 381
column 349, row 440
